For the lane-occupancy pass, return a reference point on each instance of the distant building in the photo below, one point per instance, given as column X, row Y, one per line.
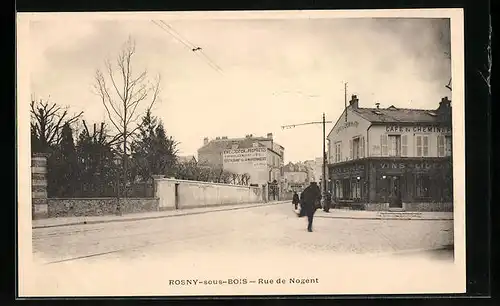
column 392, row 157
column 260, row 157
column 186, row 159
column 315, row 173
column 296, row 176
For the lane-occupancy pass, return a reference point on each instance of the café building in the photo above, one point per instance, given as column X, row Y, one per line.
column 392, row 158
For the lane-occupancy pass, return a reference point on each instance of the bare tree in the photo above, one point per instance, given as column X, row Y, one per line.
column 47, row 120
column 126, row 96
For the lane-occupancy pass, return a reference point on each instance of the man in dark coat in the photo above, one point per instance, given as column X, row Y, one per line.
column 295, row 199
column 309, row 199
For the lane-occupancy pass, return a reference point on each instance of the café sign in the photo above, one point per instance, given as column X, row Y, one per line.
column 354, row 168
column 414, row 165
column 347, row 125
column 417, row 129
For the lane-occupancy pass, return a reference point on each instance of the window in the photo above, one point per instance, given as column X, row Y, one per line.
column 338, row 152
column 422, row 184
column 422, row 145
column 346, row 188
column 383, row 145
column 394, row 145
column 357, row 149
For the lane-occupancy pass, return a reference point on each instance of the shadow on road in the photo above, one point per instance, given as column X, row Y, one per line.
column 445, row 253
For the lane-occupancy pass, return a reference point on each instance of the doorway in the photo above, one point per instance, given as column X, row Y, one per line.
column 395, row 192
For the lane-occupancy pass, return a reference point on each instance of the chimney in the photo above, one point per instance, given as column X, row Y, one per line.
column 270, row 135
column 205, row 141
column 354, row 101
column 444, row 104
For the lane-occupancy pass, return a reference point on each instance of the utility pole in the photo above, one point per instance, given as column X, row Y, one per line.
column 323, row 122
column 324, row 156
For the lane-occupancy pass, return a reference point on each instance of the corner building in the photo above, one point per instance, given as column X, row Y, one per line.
column 392, row 158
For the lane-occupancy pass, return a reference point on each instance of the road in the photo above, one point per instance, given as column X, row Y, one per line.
column 255, row 229
column 246, row 243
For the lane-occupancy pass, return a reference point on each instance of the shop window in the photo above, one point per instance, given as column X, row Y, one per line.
column 422, row 145
column 355, row 189
column 338, row 189
column 422, row 185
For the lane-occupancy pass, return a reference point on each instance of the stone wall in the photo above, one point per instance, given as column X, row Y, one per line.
column 429, row 206
column 58, row 207
column 179, row 194
column 39, row 186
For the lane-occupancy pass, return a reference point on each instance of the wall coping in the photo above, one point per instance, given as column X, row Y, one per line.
column 38, row 154
column 203, row 183
column 108, row 198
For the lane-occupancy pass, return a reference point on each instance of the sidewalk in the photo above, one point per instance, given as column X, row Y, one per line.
column 384, row 215
column 66, row 221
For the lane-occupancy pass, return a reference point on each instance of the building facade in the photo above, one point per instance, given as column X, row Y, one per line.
column 392, row 158
column 296, row 176
column 260, row 157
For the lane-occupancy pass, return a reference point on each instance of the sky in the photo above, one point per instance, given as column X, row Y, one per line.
column 274, row 72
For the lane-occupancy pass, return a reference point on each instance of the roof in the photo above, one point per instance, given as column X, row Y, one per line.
column 224, row 144
column 399, row 115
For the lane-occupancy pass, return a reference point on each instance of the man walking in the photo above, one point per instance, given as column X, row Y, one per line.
column 309, row 199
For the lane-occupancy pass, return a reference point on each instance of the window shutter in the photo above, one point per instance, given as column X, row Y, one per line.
column 351, row 153
column 419, row 146
column 404, row 145
column 340, row 152
column 425, row 146
column 362, row 147
column 440, row 147
column 383, row 145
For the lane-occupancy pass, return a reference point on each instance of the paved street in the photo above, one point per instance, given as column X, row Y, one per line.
column 142, row 257
column 257, row 228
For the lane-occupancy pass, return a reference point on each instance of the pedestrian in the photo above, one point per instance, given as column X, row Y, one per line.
column 308, row 204
column 327, row 201
column 295, row 199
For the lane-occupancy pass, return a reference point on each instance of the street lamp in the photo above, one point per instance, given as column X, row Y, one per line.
column 117, row 160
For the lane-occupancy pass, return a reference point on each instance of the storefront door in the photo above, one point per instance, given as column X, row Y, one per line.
column 395, row 192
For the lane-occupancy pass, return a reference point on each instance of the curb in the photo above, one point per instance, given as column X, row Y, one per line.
column 380, row 218
column 403, row 252
column 156, row 217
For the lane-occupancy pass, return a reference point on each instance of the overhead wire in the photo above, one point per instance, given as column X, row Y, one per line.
column 191, row 47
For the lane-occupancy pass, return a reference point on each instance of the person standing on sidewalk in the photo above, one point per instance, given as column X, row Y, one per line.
column 327, row 201
column 310, row 197
column 295, row 199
